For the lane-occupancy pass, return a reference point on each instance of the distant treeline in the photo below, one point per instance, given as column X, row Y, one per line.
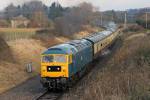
column 29, row 8
column 38, row 13
column 64, row 20
column 134, row 16
column 69, row 19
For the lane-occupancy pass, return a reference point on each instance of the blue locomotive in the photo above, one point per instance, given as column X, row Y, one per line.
column 64, row 63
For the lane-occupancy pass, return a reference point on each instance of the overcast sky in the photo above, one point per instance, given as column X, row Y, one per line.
column 102, row 4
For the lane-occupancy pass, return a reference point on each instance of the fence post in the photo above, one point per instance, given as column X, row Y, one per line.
column 29, row 67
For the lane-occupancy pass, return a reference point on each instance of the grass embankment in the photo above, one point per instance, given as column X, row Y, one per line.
column 125, row 76
column 5, row 50
column 14, row 57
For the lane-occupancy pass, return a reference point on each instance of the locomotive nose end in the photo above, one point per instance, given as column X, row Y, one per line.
column 54, row 83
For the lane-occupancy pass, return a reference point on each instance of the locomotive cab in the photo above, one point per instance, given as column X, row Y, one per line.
column 55, row 63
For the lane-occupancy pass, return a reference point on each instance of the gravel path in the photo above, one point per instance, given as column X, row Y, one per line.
column 29, row 90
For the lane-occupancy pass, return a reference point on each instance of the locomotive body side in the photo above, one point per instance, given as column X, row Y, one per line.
column 82, row 57
column 55, row 63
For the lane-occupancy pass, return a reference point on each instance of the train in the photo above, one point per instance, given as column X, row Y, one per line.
column 64, row 63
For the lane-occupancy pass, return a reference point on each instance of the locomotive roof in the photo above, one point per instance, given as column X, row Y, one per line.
column 71, row 47
column 79, row 44
column 60, row 49
column 98, row 36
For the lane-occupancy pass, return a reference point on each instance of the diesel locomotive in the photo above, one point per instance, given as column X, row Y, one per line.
column 64, row 63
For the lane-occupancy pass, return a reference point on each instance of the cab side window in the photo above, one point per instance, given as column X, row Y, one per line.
column 70, row 58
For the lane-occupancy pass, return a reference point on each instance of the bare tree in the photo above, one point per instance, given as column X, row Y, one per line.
column 39, row 19
column 74, row 18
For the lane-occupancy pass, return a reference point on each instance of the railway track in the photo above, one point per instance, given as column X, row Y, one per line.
column 49, row 96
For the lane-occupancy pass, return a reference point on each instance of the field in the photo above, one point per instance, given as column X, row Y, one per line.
column 17, row 33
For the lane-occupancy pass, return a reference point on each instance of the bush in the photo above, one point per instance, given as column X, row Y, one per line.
column 143, row 23
column 133, row 28
column 74, row 18
column 4, row 23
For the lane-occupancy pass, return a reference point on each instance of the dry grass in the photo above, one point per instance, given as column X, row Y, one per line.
column 5, row 50
column 11, row 74
column 135, row 36
column 23, row 30
column 49, row 40
column 25, row 51
column 125, row 76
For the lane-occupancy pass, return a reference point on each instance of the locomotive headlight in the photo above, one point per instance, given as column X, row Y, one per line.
column 58, row 68
column 49, row 68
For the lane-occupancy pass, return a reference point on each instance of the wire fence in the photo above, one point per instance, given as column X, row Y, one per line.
column 15, row 35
